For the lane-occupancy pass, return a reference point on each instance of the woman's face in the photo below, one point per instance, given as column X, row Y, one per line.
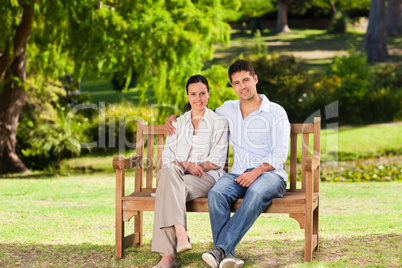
column 198, row 96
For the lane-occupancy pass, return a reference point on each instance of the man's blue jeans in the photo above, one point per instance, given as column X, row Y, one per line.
column 228, row 231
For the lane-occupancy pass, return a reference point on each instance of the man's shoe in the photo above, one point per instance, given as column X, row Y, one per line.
column 231, row 262
column 214, row 257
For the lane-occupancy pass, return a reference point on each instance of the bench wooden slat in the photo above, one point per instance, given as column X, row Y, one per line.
column 140, row 153
column 290, row 203
column 150, row 161
column 160, row 142
column 293, row 160
column 305, row 149
column 301, row 128
column 154, row 129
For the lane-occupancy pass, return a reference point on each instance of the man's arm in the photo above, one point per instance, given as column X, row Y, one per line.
column 247, row 178
column 169, row 128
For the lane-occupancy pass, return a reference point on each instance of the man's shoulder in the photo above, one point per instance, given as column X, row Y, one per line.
column 277, row 106
column 227, row 107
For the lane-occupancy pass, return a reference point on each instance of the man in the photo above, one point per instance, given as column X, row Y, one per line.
column 259, row 134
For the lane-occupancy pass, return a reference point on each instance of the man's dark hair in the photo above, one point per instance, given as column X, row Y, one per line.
column 240, row 65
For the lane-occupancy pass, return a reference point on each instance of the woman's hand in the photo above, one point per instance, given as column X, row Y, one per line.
column 169, row 128
column 193, row 168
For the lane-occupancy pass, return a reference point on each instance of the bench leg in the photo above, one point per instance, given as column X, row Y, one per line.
column 316, row 223
column 308, row 237
column 119, row 233
column 138, row 229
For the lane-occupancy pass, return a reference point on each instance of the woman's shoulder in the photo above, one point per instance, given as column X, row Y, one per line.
column 217, row 119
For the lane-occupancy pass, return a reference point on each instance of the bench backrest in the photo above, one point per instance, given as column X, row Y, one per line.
column 154, row 137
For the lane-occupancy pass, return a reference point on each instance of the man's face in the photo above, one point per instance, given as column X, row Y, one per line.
column 245, row 85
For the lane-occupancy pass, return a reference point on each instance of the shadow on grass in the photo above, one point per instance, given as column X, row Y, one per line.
column 369, row 250
column 39, row 175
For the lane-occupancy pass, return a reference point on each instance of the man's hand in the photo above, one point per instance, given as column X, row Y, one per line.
column 247, row 178
column 193, row 168
column 169, row 128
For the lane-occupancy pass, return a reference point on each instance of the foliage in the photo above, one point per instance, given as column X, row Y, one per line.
column 119, row 82
column 363, row 173
column 259, row 47
column 247, row 9
column 163, row 41
column 339, row 23
column 114, row 127
column 285, row 81
column 365, row 95
column 45, row 135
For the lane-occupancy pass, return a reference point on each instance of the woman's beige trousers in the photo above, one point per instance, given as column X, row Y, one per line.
column 175, row 189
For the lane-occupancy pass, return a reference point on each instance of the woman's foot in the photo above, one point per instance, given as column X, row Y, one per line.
column 183, row 241
column 167, row 261
column 183, row 245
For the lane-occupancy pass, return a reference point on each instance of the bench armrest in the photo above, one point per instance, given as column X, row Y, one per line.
column 126, row 163
column 312, row 163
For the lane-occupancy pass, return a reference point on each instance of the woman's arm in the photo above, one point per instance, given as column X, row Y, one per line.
column 207, row 166
column 193, row 168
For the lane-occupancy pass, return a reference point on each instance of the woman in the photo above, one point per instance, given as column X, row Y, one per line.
column 193, row 161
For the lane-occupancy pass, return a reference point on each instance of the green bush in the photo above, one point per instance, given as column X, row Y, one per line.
column 365, row 95
column 114, row 127
column 362, row 173
column 41, row 137
column 339, row 23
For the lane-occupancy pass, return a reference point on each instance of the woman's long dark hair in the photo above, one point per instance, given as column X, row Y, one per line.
column 192, row 80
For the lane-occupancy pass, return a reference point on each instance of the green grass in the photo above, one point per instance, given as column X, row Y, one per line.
column 68, row 221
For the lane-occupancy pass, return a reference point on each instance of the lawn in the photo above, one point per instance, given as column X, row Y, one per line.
column 68, row 221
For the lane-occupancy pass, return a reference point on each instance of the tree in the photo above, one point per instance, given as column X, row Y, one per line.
column 282, row 19
column 394, row 17
column 163, row 41
column 375, row 40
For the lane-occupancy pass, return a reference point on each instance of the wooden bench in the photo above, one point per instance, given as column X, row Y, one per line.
column 301, row 201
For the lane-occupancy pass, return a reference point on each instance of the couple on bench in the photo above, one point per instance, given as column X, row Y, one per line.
column 193, row 161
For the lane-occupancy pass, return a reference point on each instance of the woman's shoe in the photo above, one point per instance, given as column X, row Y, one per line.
column 184, row 247
column 175, row 264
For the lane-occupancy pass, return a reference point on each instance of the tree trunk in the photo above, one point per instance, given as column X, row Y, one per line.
column 11, row 101
column 375, row 40
column 18, row 40
column 394, row 17
column 282, row 20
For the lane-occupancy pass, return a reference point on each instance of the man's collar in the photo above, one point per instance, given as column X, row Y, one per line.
column 265, row 104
